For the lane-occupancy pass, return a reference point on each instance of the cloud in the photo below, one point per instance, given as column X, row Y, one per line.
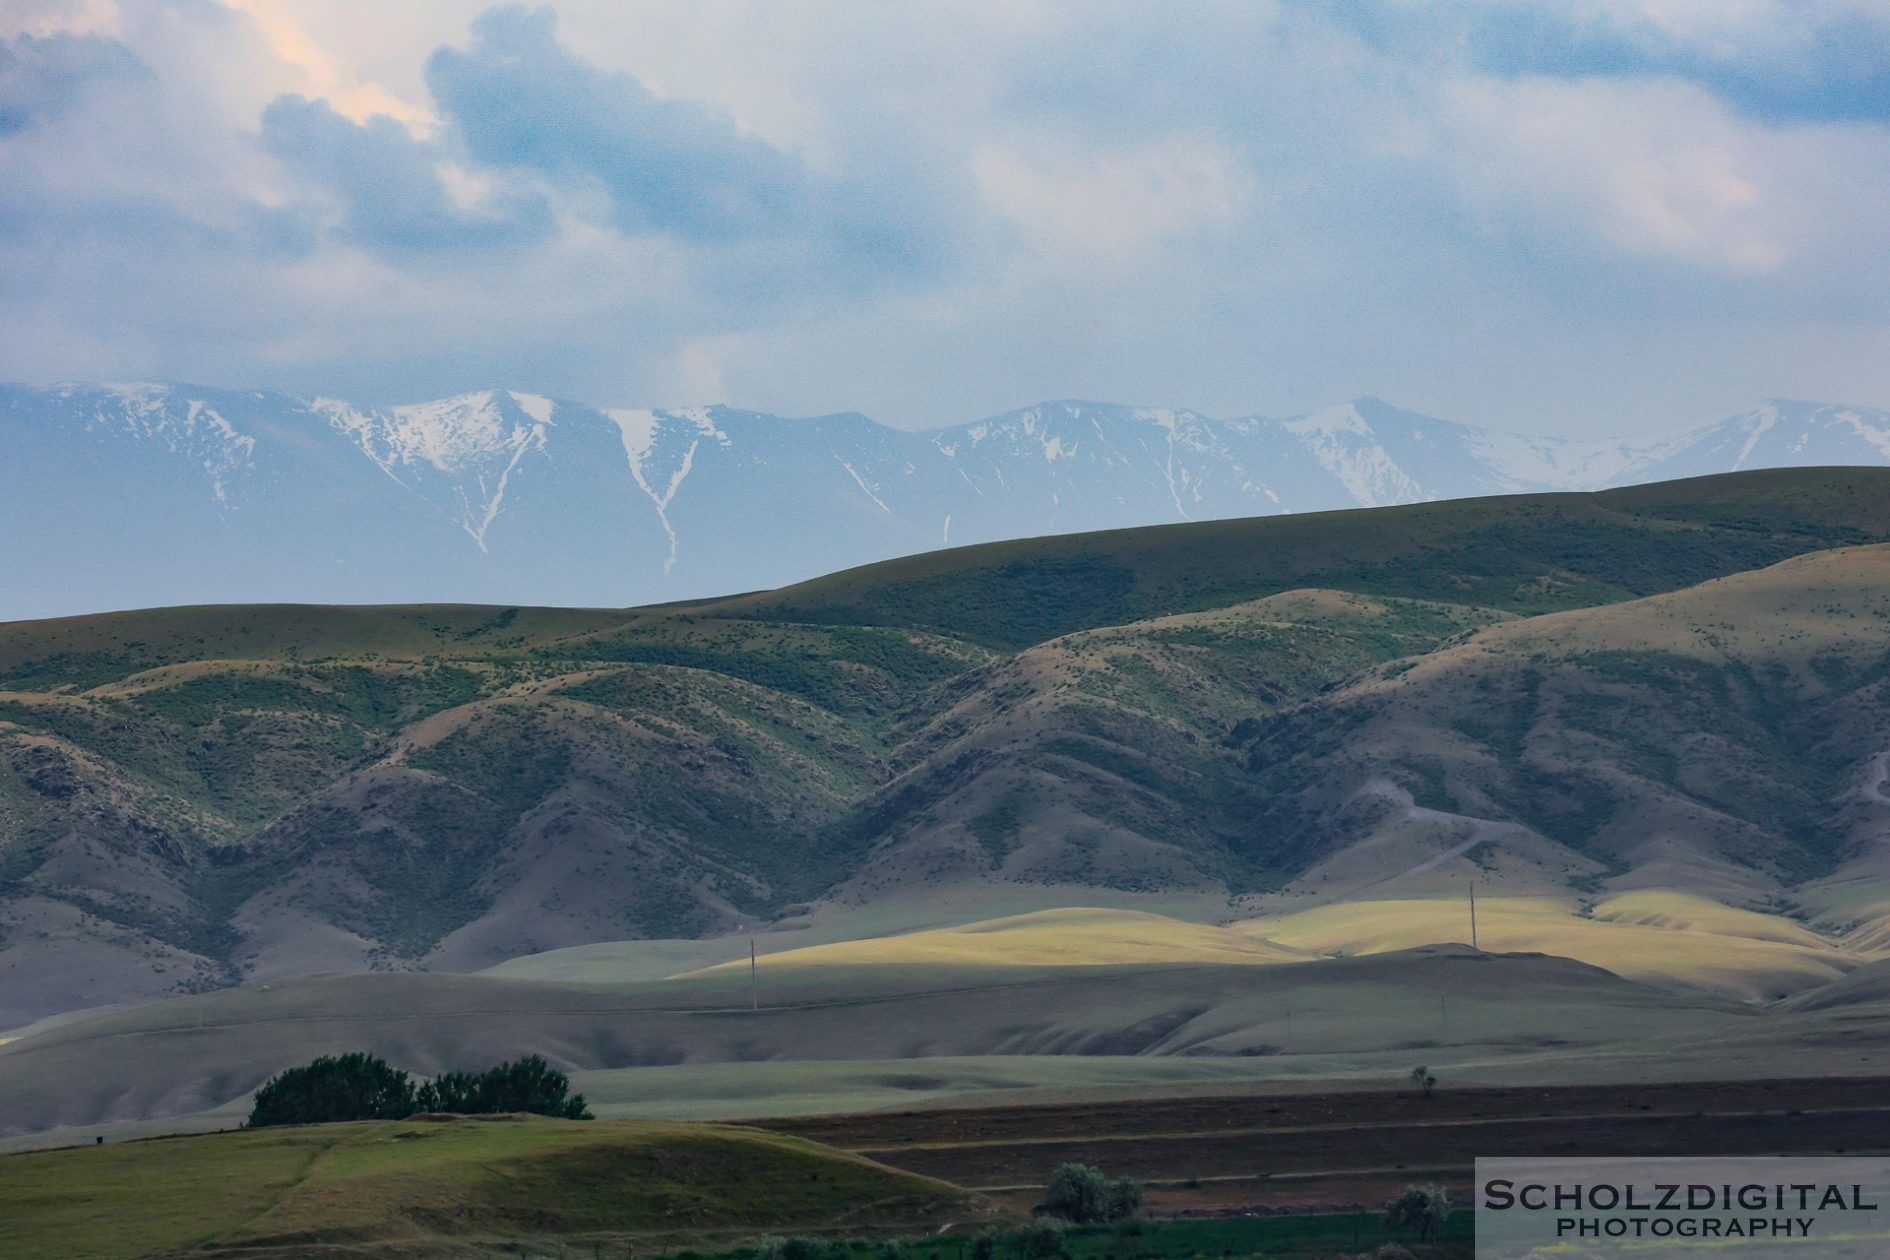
column 349, row 95
column 518, row 99
column 1785, row 69
column 45, row 76
column 1120, row 206
column 1519, row 213
column 1655, row 170
column 391, row 188
column 766, row 232
column 1776, row 61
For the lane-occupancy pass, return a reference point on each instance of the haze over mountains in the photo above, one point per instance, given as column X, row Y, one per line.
column 148, row 495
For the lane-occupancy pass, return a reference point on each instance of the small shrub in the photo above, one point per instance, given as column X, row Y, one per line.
column 791, row 1249
column 1077, row 1193
column 1042, row 1240
column 1420, row 1209
column 1083, row 1195
column 1124, row 1199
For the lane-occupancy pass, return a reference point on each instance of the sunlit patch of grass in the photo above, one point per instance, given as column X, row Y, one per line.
column 1660, row 937
column 1077, row 937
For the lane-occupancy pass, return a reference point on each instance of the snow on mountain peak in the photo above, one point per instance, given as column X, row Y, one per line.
column 1343, row 442
column 633, row 504
column 1324, row 425
column 452, row 434
column 658, row 472
column 537, row 406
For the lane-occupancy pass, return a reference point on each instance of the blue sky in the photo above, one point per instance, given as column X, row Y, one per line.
column 1581, row 217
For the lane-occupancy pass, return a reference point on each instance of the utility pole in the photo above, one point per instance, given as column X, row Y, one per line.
column 754, row 978
column 1473, row 915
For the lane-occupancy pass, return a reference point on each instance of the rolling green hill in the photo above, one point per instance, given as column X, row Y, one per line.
column 451, row 1186
column 1524, row 553
column 1561, row 695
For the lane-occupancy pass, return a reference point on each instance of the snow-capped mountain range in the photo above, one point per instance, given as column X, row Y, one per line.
column 117, row 496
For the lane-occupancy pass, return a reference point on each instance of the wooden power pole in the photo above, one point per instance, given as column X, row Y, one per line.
column 754, row 979
column 1473, row 914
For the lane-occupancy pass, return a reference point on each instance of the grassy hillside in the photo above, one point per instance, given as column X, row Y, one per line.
column 450, row 1186
column 1657, row 937
column 1524, row 553
column 1074, row 937
column 1716, row 740
column 1556, row 694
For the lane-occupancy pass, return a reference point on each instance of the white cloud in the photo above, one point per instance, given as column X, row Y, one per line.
column 1119, row 207
column 1655, row 169
column 1238, row 207
column 348, row 93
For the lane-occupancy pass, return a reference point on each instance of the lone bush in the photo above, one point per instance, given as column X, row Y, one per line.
column 1420, row 1209
column 1083, row 1195
column 1124, row 1200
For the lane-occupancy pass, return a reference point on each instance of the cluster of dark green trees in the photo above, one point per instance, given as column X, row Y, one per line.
column 363, row 1087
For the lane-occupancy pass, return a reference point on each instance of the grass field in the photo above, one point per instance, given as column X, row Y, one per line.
column 1072, row 937
column 1224, row 1151
column 838, row 1037
column 1657, row 936
column 1310, row 1234
column 1651, row 935
column 1366, row 1017
column 898, row 912
column 440, row 1186
column 450, row 1186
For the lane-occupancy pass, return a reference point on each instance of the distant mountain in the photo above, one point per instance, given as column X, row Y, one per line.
column 145, row 495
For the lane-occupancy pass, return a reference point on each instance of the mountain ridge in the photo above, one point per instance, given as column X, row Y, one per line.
column 148, row 494
column 193, row 797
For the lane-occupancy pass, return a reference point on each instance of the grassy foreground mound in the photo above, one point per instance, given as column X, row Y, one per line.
column 444, row 1186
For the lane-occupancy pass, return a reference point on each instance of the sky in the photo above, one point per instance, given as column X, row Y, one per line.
column 1578, row 218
